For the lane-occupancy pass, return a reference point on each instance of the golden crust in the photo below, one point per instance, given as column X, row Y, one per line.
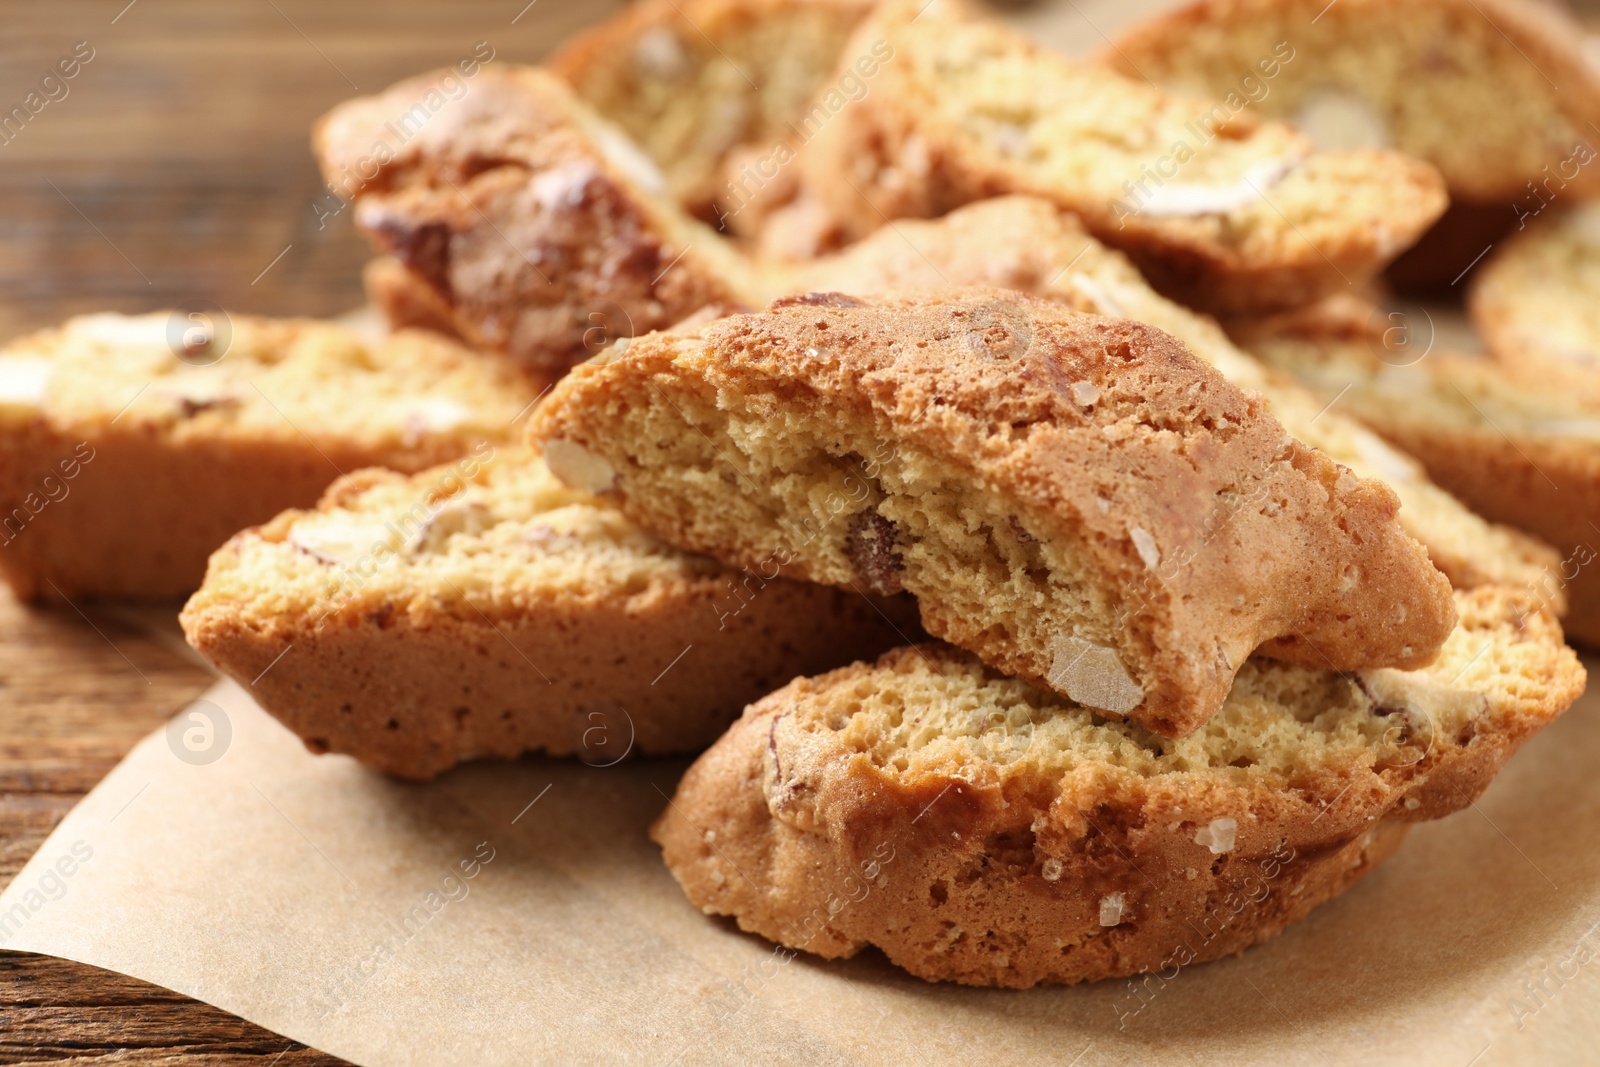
column 514, row 616
column 538, row 223
column 981, row 833
column 1077, row 499
column 1251, row 217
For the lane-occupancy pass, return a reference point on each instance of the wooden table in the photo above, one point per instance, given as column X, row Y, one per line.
column 175, row 168
column 76, row 693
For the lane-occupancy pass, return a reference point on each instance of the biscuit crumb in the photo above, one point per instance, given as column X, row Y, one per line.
column 1111, row 909
column 1218, row 836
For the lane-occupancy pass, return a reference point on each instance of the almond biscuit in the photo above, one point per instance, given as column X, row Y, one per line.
column 1079, row 500
column 981, row 831
column 484, row 609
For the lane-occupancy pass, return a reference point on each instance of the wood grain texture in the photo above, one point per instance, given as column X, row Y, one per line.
column 176, row 168
column 177, row 165
column 76, row 692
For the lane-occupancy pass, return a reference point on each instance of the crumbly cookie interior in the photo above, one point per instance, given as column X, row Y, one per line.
column 498, row 537
column 816, row 500
column 933, row 710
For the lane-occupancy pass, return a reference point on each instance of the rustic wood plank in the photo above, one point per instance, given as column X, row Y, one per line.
column 56, row 1011
column 76, row 692
column 176, row 168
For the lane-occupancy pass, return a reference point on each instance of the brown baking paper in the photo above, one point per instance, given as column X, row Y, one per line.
column 516, row 913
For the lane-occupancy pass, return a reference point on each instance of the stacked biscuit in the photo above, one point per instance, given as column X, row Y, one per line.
column 830, row 383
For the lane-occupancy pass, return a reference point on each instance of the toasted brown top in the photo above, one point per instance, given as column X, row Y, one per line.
column 1028, row 244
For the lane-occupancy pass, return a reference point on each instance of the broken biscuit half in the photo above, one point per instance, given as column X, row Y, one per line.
column 483, row 609
column 1078, row 500
column 1030, row 245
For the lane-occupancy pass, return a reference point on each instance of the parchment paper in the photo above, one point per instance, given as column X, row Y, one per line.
column 294, row 890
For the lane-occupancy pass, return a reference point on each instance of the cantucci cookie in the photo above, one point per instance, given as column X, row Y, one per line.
column 484, row 609
column 1077, row 499
column 1515, row 450
column 694, row 82
column 1497, row 94
column 982, row 831
column 1536, row 299
column 539, row 224
column 1219, row 209
column 135, row 445
column 1027, row 244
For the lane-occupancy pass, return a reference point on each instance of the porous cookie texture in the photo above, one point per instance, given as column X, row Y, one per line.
column 1028, row 244
column 1218, row 208
column 540, row 225
column 484, row 609
column 1076, row 499
column 1517, row 450
column 1537, row 300
column 1497, row 94
column 709, row 87
column 982, row 831
column 132, row 446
